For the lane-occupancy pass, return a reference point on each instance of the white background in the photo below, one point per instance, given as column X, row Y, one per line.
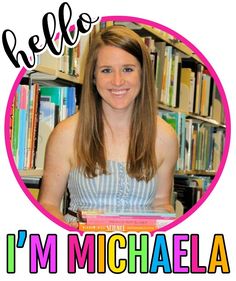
column 209, row 25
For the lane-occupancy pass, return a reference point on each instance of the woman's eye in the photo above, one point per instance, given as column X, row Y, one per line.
column 127, row 69
column 106, row 70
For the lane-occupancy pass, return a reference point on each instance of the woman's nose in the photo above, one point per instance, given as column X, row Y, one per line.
column 117, row 78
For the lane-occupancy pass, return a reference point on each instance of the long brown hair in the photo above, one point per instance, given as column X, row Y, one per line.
column 89, row 141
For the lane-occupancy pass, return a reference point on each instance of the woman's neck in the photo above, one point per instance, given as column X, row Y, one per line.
column 117, row 119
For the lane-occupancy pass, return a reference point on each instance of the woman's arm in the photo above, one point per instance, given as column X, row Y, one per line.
column 167, row 154
column 56, row 167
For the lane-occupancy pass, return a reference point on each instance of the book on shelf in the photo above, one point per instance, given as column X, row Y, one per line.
column 198, row 90
column 166, row 75
column 166, row 63
column 69, row 62
column 48, row 61
column 22, row 137
column 188, row 157
column 218, row 147
column 56, row 104
column 34, row 192
column 206, row 94
column 14, row 130
column 32, row 125
column 131, row 25
column 196, row 74
column 160, row 49
column 187, row 87
column 190, row 189
column 174, row 90
column 200, row 143
column 32, row 183
column 217, row 109
column 35, row 112
column 126, row 220
column 198, row 146
column 55, row 97
column 47, row 121
column 206, row 98
column 24, row 125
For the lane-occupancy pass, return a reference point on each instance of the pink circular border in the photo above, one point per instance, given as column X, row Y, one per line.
column 224, row 101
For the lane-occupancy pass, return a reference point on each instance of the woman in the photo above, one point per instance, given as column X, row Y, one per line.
column 116, row 152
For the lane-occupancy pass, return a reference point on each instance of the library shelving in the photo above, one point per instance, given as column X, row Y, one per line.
column 188, row 99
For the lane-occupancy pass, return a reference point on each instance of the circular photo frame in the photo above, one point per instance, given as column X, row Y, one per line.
column 203, row 151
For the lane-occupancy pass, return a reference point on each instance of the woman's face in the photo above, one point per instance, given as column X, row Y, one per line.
column 117, row 78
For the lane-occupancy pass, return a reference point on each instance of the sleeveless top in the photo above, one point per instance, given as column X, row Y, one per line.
column 115, row 191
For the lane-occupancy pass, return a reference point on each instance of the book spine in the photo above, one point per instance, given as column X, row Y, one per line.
column 128, row 214
column 15, row 138
column 110, row 228
column 34, row 126
column 23, row 127
column 30, row 126
column 123, row 220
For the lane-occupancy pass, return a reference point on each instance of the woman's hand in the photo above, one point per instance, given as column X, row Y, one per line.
column 74, row 224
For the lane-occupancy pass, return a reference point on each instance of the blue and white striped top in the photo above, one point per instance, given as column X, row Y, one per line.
column 115, row 191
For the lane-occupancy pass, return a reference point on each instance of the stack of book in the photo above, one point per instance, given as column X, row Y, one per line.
column 125, row 221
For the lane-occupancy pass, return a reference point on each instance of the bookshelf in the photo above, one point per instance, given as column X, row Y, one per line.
column 36, row 173
column 199, row 120
column 29, row 103
column 46, row 73
column 191, row 180
column 145, row 30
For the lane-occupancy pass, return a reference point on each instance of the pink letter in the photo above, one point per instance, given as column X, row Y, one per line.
column 195, row 255
column 178, row 252
column 75, row 252
column 45, row 255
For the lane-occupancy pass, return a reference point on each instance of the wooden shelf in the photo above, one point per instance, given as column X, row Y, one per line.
column 32, row 178
column 34, row 173
column 196, row 173
column 46, row 73
column 164, row 36
column 171, row 40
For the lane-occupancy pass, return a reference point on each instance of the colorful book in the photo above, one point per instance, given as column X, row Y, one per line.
column 46, row 125
column 53, row 95
column 123, row 220
column 186, row 90
column 144, row 213
column 205, row 94
column 34, row 133
column 160, row 49
column 22, row 126
column 111, row 228
column 15, row 128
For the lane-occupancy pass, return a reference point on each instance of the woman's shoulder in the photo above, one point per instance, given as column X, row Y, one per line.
column 166, row 140
column 68, row 125
column 165, row 132
column 64, row 132
column 60, row 144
